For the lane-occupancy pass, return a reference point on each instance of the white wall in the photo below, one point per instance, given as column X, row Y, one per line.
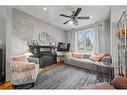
column 8, row 41
column 40, row 26
column 2, row 27
column 19, row 45
column 105, row 37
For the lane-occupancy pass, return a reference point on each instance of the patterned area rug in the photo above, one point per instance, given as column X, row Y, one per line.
column 67, row 77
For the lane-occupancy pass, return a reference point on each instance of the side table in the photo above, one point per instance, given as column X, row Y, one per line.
column 60, row 58
column 108, row 68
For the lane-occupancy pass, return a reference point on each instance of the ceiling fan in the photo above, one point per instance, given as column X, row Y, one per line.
column 74, row 17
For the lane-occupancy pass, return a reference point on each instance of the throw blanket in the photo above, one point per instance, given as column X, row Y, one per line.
column 22, row 71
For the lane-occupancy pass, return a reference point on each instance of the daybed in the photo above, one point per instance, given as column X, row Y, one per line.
column 84, row 61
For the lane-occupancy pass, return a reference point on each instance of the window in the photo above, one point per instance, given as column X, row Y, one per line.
column 81, row 41
column 85, row 40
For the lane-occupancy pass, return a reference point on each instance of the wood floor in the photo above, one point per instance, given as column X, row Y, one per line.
column 6, row 85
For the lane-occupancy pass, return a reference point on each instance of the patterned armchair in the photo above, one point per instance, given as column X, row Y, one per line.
column 24, row 72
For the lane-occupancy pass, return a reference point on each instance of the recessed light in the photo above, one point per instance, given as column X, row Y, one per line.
column 44, row 8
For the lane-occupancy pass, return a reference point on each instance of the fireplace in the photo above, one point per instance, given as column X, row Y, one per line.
column 45, row 59
column 46, row 54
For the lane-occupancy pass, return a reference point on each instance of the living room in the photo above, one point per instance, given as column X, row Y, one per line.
column 68, row 47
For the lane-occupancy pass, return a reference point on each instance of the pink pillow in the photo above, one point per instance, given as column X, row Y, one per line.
column 103, row 55
column 78, row 55
column 95, row 58
column 70, row 55
column 98, row 57
column 75, row 55
column 120, row 82
column 21, row 58
column 102, row 85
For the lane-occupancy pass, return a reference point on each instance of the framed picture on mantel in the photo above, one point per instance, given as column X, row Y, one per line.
column 44, row 38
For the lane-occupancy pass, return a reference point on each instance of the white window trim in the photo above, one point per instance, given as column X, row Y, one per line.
column 84, row 30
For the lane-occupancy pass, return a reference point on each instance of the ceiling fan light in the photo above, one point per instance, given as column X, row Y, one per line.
column 91, row 17
column 70, row 22
column 44, row 8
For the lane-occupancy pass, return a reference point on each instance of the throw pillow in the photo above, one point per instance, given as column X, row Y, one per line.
column 70, row 55
column 103, row 55
column 21, row 58
column 98, row 57
column 95, row 58
column 78, row 55
column 120, row 82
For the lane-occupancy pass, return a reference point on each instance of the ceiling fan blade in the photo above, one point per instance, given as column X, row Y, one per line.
column 87, row 17
column 65, row 15
column 66, row 22
column 77, row 11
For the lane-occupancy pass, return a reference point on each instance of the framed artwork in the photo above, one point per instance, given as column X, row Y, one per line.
column 24, row 29
column 44, row 38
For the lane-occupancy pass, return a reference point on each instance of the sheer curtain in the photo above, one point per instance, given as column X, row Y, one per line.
column 114, row 48
column 71, row 38
column 102, row 38
column 97, row 45
column 98, row 38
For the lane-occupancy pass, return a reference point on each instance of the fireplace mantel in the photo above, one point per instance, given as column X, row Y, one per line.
column 41, row 46
column 38, row 49
column 42, row 52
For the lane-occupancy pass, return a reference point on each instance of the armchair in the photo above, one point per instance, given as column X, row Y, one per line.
column 24, row 72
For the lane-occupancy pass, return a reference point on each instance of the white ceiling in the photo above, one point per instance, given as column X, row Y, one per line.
column 52, row 14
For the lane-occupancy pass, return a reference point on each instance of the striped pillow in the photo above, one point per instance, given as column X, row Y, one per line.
column 21, row 58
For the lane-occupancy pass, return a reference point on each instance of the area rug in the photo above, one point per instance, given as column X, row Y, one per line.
column 67, row 77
